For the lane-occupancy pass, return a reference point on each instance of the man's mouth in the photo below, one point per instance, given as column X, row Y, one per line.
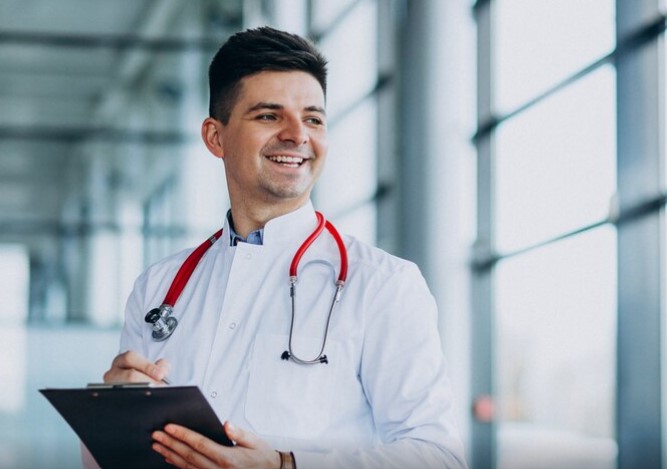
column 290, row 161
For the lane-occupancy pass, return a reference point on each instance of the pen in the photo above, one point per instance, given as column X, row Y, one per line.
column 165, row 381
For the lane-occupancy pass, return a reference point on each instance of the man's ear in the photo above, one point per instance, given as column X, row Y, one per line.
column 211, row 133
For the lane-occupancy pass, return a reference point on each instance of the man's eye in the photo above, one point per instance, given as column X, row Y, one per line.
column 315, row 121
column 266, row 117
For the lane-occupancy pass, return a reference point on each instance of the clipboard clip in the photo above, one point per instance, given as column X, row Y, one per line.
column 120, row 385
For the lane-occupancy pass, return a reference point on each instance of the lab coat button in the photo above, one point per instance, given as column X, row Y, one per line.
column 232, row 325
column 214, row 394
column 248, row 256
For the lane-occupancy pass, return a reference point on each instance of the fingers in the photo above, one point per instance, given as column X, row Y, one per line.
column 187, row 449
column 257, row 451
column 165, row 366
column 240, row 436
column 184, row 448
column 132, row 367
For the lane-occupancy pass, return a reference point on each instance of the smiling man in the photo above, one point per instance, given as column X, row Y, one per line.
column 273, row 145
column 300, row 380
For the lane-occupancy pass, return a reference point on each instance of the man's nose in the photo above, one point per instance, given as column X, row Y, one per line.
column 295, row 131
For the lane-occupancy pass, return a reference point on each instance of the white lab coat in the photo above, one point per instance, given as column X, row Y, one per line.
column 382, row 401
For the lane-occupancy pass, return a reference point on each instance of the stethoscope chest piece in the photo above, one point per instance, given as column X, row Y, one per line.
column 163, row 324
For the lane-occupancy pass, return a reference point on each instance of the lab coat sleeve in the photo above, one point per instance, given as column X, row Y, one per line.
column 148, row 292
column 405, row 380
column 131, row 336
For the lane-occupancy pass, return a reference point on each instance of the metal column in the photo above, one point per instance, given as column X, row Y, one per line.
column 640, row 129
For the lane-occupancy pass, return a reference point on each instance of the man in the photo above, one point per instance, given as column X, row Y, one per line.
column 381, row 398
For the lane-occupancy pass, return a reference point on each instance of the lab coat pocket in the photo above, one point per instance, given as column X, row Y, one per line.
column 285, row 398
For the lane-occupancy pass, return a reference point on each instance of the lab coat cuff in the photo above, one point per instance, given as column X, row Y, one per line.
column 310, row 460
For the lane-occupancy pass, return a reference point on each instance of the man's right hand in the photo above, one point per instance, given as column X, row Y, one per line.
column 133, row 368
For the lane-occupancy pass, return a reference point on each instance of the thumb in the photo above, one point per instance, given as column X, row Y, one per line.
column 241, row 437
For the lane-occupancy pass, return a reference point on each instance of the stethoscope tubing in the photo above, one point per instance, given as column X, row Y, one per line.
column 321, row 224
column 340, row 283
column 185, row 272
column 164, row 325
column 321, row 357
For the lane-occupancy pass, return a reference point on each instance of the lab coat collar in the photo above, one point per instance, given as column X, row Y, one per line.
column 294, row 225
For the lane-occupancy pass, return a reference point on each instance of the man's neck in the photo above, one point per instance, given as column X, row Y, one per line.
column 248, row 220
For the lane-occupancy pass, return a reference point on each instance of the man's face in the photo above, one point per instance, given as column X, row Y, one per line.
column 274, row 144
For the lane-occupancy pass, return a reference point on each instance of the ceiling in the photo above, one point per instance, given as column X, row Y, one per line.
column 62, row 65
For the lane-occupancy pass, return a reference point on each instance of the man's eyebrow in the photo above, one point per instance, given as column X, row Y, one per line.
column 319, row 109
column 264, row 105
column 275, row 106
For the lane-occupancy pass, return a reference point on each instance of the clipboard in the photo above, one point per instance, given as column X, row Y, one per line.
column 115, row 422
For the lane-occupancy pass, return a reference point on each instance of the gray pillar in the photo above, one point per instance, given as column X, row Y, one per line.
column 436, row 167
column 640, row 175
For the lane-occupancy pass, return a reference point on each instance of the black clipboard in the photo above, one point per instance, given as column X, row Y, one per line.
column 115, row 422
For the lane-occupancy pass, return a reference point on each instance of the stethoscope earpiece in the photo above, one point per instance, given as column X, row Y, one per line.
column 163, row 324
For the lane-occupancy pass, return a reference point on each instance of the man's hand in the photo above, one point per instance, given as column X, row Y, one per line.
column 133, row 368
column 187, row 449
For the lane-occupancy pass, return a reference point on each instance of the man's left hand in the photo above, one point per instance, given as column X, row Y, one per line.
column 187, row 449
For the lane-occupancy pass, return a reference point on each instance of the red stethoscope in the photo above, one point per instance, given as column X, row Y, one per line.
column 164, row 324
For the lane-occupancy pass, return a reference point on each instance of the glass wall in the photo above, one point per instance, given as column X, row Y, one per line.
column 547, row 148
column 106, row 175
column 347, row 33
column 569, row 257
column 555, row 354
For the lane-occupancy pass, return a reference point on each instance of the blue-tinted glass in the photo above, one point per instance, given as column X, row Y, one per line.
column 351, row 48
column 540, row 42
column 349, row 179
column 348, row 183
column 325, row 12
column 555, row 354
column 555, row 163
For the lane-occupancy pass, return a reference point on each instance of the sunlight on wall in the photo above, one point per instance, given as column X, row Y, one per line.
column 14, row 278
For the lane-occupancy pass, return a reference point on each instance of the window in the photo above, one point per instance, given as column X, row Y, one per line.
column 539, row 44
column 555, row 350
column 547, row 164
column 555, row 163
column 348, row 38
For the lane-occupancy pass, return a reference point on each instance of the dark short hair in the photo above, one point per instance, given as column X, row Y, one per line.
column 256, row 50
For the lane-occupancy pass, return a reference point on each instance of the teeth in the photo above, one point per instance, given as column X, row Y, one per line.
column 286, row 159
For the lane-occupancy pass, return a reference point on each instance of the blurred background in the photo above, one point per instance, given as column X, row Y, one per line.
column 514, row 149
